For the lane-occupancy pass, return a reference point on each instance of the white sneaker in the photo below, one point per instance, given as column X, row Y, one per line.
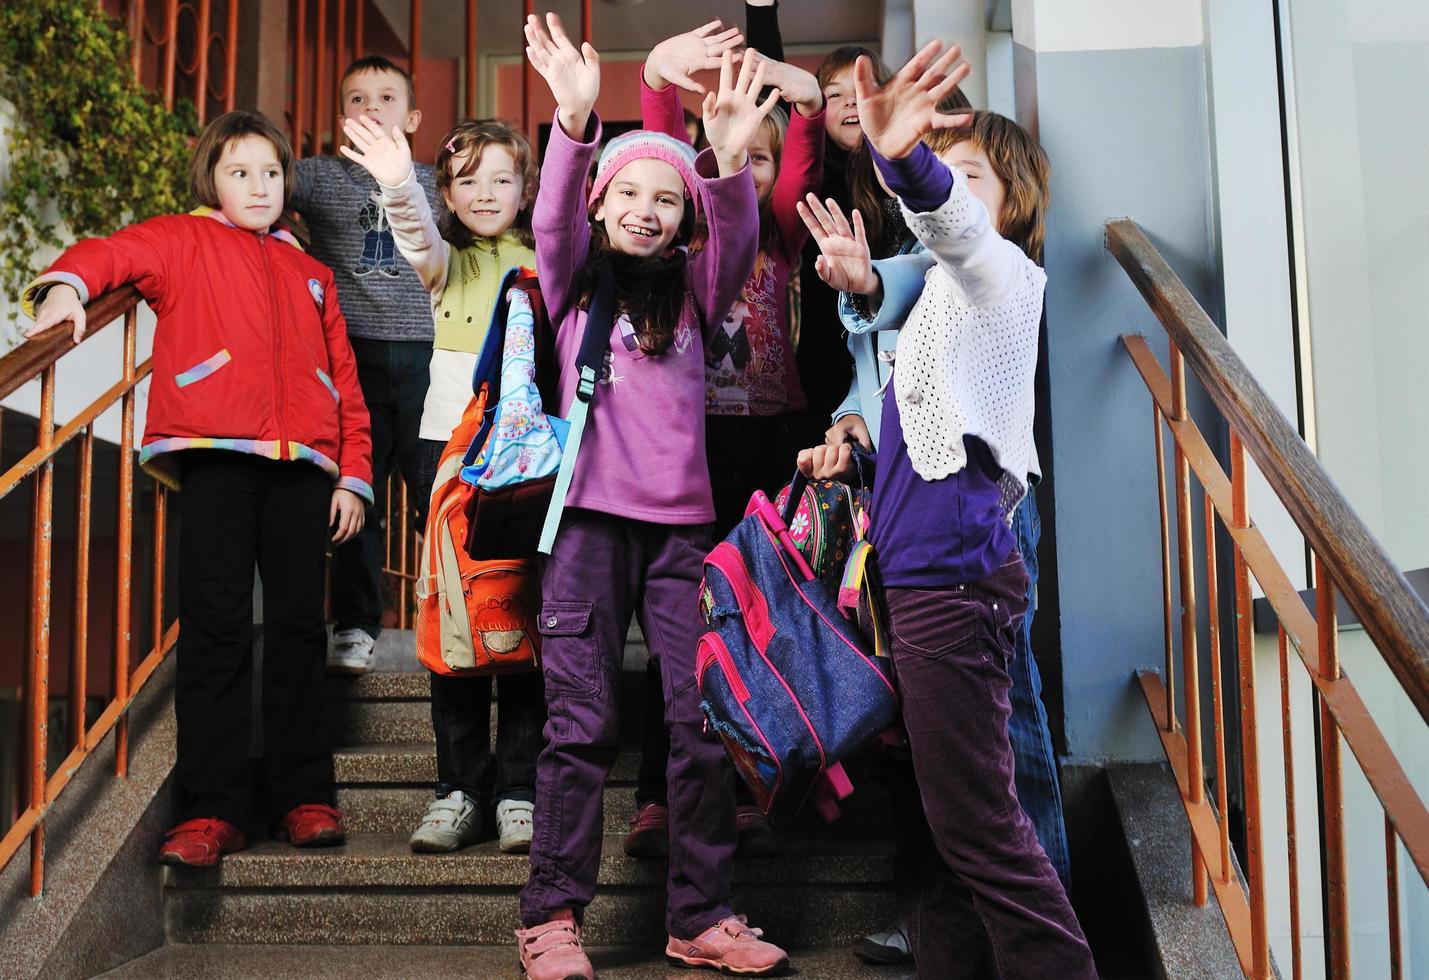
column 451, row 822
column 514, row 824
column 350, row 652
column 889, row 947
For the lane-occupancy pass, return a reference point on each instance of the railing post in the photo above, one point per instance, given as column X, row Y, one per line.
column 315, row 146
column 230, row 51
column 1391, row 876
column 171, row 50
column 136, row 35
column 338, row 64
column 124, row 543
column 1332, row 799
column 471, row 57
column 41, row 579
column 1250, row 744
column 1218, row 718
column 1190, row 670
column 1170, row 642
column 205, row 14
column 528, row 8
column 300, row 59
column 157, row 594
column 1291, row 837
column 79, row 648
column 414, row 46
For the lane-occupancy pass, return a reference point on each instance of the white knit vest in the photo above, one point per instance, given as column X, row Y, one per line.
column 968, row 352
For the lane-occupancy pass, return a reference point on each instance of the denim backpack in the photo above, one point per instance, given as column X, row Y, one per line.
column 786, row 681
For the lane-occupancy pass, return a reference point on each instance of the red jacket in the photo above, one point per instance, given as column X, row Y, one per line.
column 250, row 350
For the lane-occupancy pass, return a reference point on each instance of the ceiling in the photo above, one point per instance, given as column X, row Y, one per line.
column 627, row 25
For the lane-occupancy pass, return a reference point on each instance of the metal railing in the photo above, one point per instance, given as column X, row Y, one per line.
column 1347, row 559
column 36, row 359
column 339, row 39
column 161, row 62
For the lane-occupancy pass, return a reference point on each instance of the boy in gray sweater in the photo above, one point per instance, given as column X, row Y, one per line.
column 389, row 320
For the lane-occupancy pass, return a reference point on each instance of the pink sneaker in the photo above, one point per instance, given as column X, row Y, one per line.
column 552, row 950
column 730, row 946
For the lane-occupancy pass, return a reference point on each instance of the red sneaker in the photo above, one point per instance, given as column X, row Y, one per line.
column 200, row 842
column 729, row 946
column 649, row 835
column 312, row 825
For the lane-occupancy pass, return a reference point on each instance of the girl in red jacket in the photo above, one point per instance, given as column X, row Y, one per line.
column 255, row 412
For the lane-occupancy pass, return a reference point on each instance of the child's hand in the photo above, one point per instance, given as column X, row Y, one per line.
column 673, row 61
column 799, row 88
column 898, row 115
column 573, row 75
column 346, row 515
column 61, row 304
column 849, row 429
column 386, row 156
column 828, row 463
column 733, row 114
column 846, row 264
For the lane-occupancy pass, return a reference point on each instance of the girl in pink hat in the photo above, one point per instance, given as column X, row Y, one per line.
column 678, row 233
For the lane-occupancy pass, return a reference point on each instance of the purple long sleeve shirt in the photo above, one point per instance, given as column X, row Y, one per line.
column 643, row 452
column 932, row 533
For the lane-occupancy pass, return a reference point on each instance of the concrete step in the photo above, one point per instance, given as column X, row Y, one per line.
column 375, row 890
column 287, row 962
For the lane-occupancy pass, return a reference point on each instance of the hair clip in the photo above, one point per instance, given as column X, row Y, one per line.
column 451, row 147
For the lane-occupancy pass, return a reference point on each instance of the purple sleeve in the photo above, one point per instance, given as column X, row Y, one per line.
column 559, row 217
column 920, row 179
column 719, row 270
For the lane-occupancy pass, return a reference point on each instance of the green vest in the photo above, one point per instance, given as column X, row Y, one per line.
column 465, row 311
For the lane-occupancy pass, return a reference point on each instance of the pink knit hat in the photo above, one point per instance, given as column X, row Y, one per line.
column 647, row 144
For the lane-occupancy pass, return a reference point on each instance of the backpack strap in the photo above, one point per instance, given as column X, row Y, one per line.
column 488, row 368
column 600, row 318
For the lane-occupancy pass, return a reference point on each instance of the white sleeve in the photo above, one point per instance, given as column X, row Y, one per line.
column 415, row 231
column 966, row 245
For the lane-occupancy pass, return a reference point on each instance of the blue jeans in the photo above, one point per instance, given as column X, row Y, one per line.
column 1035, row 770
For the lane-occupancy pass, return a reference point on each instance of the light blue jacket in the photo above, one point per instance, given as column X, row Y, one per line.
column 873, row 341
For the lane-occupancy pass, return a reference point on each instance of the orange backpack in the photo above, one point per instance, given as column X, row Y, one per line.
column 477, row 615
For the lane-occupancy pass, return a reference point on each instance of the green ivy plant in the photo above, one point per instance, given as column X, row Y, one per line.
column 91, row 149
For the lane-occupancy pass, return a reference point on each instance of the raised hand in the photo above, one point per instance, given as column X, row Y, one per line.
column 846, row 264
column 673, row 61
column 573, row 74
column 896, row 116
column 733, row 114
column 798, row 87
column 61, row 304
column 386, row 156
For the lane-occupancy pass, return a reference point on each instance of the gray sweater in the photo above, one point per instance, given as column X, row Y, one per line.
column 380, row 296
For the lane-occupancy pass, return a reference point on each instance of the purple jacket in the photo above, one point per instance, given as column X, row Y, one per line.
column 643, row 452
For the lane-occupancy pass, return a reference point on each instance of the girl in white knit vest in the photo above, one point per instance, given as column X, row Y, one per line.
column 952, row 463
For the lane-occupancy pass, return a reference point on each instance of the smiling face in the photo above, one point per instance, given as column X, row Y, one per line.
column 841, row 110
column 762, row 164
column 379, row 95
column 642, row 207
column 983, row 181
column 487, row 199
column 249, row 180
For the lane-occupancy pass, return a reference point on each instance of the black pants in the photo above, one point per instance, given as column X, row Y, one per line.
column 745, row 454
column 461, row 718
column 394, row 376
column 238, row 510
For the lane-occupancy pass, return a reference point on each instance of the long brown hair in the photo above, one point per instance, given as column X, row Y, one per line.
column 649, row 290
column 472, row 137
column 1022, row 166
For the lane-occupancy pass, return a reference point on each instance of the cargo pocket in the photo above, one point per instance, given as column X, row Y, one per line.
column 202, row 369
column 570, row 655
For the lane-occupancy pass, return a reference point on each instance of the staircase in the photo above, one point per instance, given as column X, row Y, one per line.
column 273, row 910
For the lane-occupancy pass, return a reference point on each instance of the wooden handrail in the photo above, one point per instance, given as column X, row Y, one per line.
column 26, row 362
column 1393, row 615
